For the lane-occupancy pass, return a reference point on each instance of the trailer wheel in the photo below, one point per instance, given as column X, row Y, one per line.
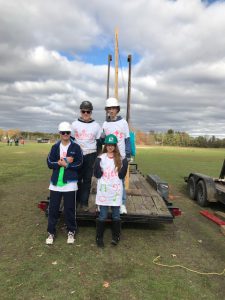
column 201, row 194
column 191, row 186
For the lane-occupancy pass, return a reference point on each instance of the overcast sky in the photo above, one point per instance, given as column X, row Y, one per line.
column 53, row 55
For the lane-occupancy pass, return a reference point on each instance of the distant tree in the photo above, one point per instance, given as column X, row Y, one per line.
column 1, row 133
column 214, row 142
column 150, row 138
column 159, row 138
column 201, row 141
column 185, row 139
column 170, row 131
column 169, row 138
column 12, row 133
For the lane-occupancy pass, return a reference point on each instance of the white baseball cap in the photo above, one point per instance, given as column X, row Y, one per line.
column 64, row 126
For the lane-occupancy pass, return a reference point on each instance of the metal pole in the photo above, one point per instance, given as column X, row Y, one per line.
column 129, row 59
column 116, row 63
column 108, row 77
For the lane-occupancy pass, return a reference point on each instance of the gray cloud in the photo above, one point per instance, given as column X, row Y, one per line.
column 178, row 83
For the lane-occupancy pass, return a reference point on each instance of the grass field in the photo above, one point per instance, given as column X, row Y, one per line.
column 32, row 270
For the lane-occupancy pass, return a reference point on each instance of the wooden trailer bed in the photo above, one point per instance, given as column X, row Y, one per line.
column 144, row 204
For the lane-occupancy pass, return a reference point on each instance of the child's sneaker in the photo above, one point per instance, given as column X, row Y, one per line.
column 123, row 210
column 70, row 238
column 50, row 239
column 86, row 208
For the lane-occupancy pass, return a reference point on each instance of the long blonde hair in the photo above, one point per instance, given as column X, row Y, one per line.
column 116, row 157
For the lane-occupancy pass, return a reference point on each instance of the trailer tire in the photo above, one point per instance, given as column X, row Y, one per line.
column 202, row 194
column 191, row 186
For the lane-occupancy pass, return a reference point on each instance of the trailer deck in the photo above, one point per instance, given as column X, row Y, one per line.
column 144, row 204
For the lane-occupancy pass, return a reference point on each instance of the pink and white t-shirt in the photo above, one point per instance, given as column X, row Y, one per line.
column 109, row 186
column 121, row 130
column 86, row 135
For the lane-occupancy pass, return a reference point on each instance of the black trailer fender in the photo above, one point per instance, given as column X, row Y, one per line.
column 162, row 189
column 160, row 186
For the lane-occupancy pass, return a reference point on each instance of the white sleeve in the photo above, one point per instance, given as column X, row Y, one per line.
column 103, row 130
column 103, row 126
column 73, row 127
column 126, row 129
column 99, row 131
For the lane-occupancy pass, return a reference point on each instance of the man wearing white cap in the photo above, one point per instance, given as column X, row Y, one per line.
column 65, row 158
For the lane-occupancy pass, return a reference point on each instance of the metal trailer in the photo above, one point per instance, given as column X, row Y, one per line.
column 147, row 201
column 205, row 189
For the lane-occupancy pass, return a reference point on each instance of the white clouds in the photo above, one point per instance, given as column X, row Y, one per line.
column 41, row 57
column 40, row 110
column 42, row 87
column 147, row 82
column 178, row 83
column 55, row 24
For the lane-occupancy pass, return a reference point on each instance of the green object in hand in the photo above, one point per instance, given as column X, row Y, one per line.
column 60, row 178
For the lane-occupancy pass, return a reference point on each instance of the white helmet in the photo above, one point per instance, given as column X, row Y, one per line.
column 64, row 126
column 110, row 102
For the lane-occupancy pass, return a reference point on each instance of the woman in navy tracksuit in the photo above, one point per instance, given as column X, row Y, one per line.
column 65, row 158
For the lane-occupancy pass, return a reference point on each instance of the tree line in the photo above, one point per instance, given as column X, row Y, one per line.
column 151, row 138
column 177, row 138
column 27, row 135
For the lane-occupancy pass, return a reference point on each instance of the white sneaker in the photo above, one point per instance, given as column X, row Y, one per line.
column 123, row 210
column 50, row 239
column 70, row 239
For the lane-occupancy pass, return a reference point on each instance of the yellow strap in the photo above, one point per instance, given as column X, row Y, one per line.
column 156, row 259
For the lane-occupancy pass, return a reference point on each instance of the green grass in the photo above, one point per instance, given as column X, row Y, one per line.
column 173, row 164
column 79, row 271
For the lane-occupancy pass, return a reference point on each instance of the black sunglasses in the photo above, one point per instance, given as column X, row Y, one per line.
column 65, row 132
column 86, row 111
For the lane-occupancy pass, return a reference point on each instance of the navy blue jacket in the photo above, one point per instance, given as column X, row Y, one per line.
column 70, row 173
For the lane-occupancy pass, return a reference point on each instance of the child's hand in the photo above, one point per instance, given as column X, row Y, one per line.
column 69, row 159
column 62, row 163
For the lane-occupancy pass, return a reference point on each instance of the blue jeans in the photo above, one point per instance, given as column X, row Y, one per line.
column 124, row 197
column 104, row 213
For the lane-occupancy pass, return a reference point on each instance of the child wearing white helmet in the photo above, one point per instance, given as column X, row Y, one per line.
column 64, row 158
column 110, row 169
column 87, row 134
column 118, row 126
